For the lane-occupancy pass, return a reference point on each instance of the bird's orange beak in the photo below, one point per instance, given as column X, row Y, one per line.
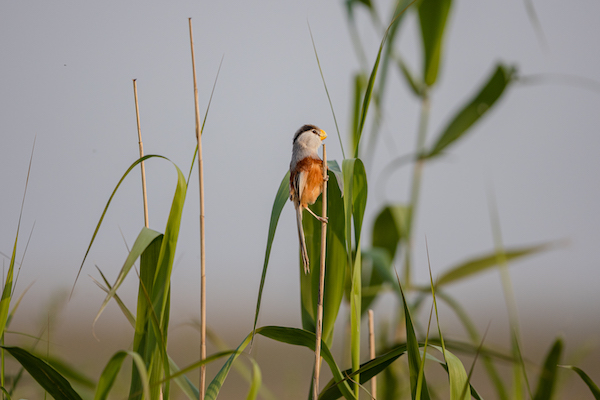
column 323, row 135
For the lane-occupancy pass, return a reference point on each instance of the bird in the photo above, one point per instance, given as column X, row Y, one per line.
column 306, row 178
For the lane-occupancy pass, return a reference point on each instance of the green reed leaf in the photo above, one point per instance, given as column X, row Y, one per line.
column 111, row 370
column 283, row 194
column 293, row 336
column 336, row 259
column 432, row 17
column 415, row 367
column 48, row 377
column 548, row 375
column 585, row 377
column 472, row 111
column 367, row 370
column 480, row 264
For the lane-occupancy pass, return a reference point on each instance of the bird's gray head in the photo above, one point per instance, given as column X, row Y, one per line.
column 309, row 136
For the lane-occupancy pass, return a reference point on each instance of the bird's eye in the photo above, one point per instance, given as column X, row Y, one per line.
column 314, row 131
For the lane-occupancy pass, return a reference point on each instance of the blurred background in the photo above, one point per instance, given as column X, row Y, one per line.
column 66, row 84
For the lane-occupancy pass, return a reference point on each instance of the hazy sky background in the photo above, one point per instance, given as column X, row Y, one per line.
column 66, row 71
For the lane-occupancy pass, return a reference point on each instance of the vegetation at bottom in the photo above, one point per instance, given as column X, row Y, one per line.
column 357, row 273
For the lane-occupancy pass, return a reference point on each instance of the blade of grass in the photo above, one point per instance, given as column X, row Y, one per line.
column 283, row 193
column 326, row 90
column 47, row 377
column 480, row 264
column 202, row 385
column 414, row 359
column 585, row 377
column 472, row 112
column 548, row 375
column 371, row 83
column 141, row 146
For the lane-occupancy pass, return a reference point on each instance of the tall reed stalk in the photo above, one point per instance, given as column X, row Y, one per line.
column 319, row 324
column 139, row 130
column 202, row 231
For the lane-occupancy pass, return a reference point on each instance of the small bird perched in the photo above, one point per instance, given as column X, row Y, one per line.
column 306, row 177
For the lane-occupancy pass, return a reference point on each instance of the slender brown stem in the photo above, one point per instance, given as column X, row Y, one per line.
column 372, row 352
column 202, row 241
column 319, row 324
column 139, row 129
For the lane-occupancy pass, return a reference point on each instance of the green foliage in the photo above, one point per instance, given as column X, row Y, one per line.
column 585, row 377
column 547, row 380
column 47, row 377
column 471, row 112
column 432, row 16
column 336, row 259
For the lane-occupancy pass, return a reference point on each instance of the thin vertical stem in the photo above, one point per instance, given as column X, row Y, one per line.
column 202, row 239
column 372, row 353
column 139, row 129
column 416, row 186
column 319, row 324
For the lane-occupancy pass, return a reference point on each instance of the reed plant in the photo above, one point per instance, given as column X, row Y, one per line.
column 356, row 272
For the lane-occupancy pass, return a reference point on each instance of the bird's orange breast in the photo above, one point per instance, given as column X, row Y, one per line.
column 314, row 181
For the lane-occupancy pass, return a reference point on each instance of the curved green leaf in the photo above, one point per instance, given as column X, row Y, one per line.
column 585, row 377
column 283, row 193
column 368, row 370
column 480, row 264
column 415, row 367
column 474, row 109
column 335, row 260
column 456, row 374
column 432, row 16
column 48, row 378
column 547, row 379
column 293, row 336
column 110, row 372
column 389, row 227
column 145, row 237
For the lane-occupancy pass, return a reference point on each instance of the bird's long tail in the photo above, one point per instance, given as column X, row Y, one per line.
column 302, row 241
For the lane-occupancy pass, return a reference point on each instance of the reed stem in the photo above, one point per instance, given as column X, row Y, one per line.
column 139, row 129
column 372, row 353
column 202, row 385
column 319, row 324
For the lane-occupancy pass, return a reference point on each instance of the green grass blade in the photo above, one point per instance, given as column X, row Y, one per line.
column 548, row 375
column 471, row 112
column 144, row 239
column 299, row 337
column 283, row 194
column 355, row 199
column 110, row 372
column 389, row 228
column 48, row 378
column 128, row 314
column 371, row 83
column 475, row 338
column 457, row 375
column 414, row 358
column 186, row 386
column 336, row 261
column 326, row 91
column 372, row 281
column 293, row 336
column 432, row 16
column 368, row 370
column 6, row 393
column 480, row 264
column 585, row 377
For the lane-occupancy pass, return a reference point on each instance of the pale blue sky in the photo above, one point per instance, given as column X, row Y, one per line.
column 66, row 75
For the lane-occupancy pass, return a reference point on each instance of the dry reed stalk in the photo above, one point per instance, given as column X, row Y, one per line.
column 319, row 324
column 372, row 353
column 202, row 240
column 139, row 129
